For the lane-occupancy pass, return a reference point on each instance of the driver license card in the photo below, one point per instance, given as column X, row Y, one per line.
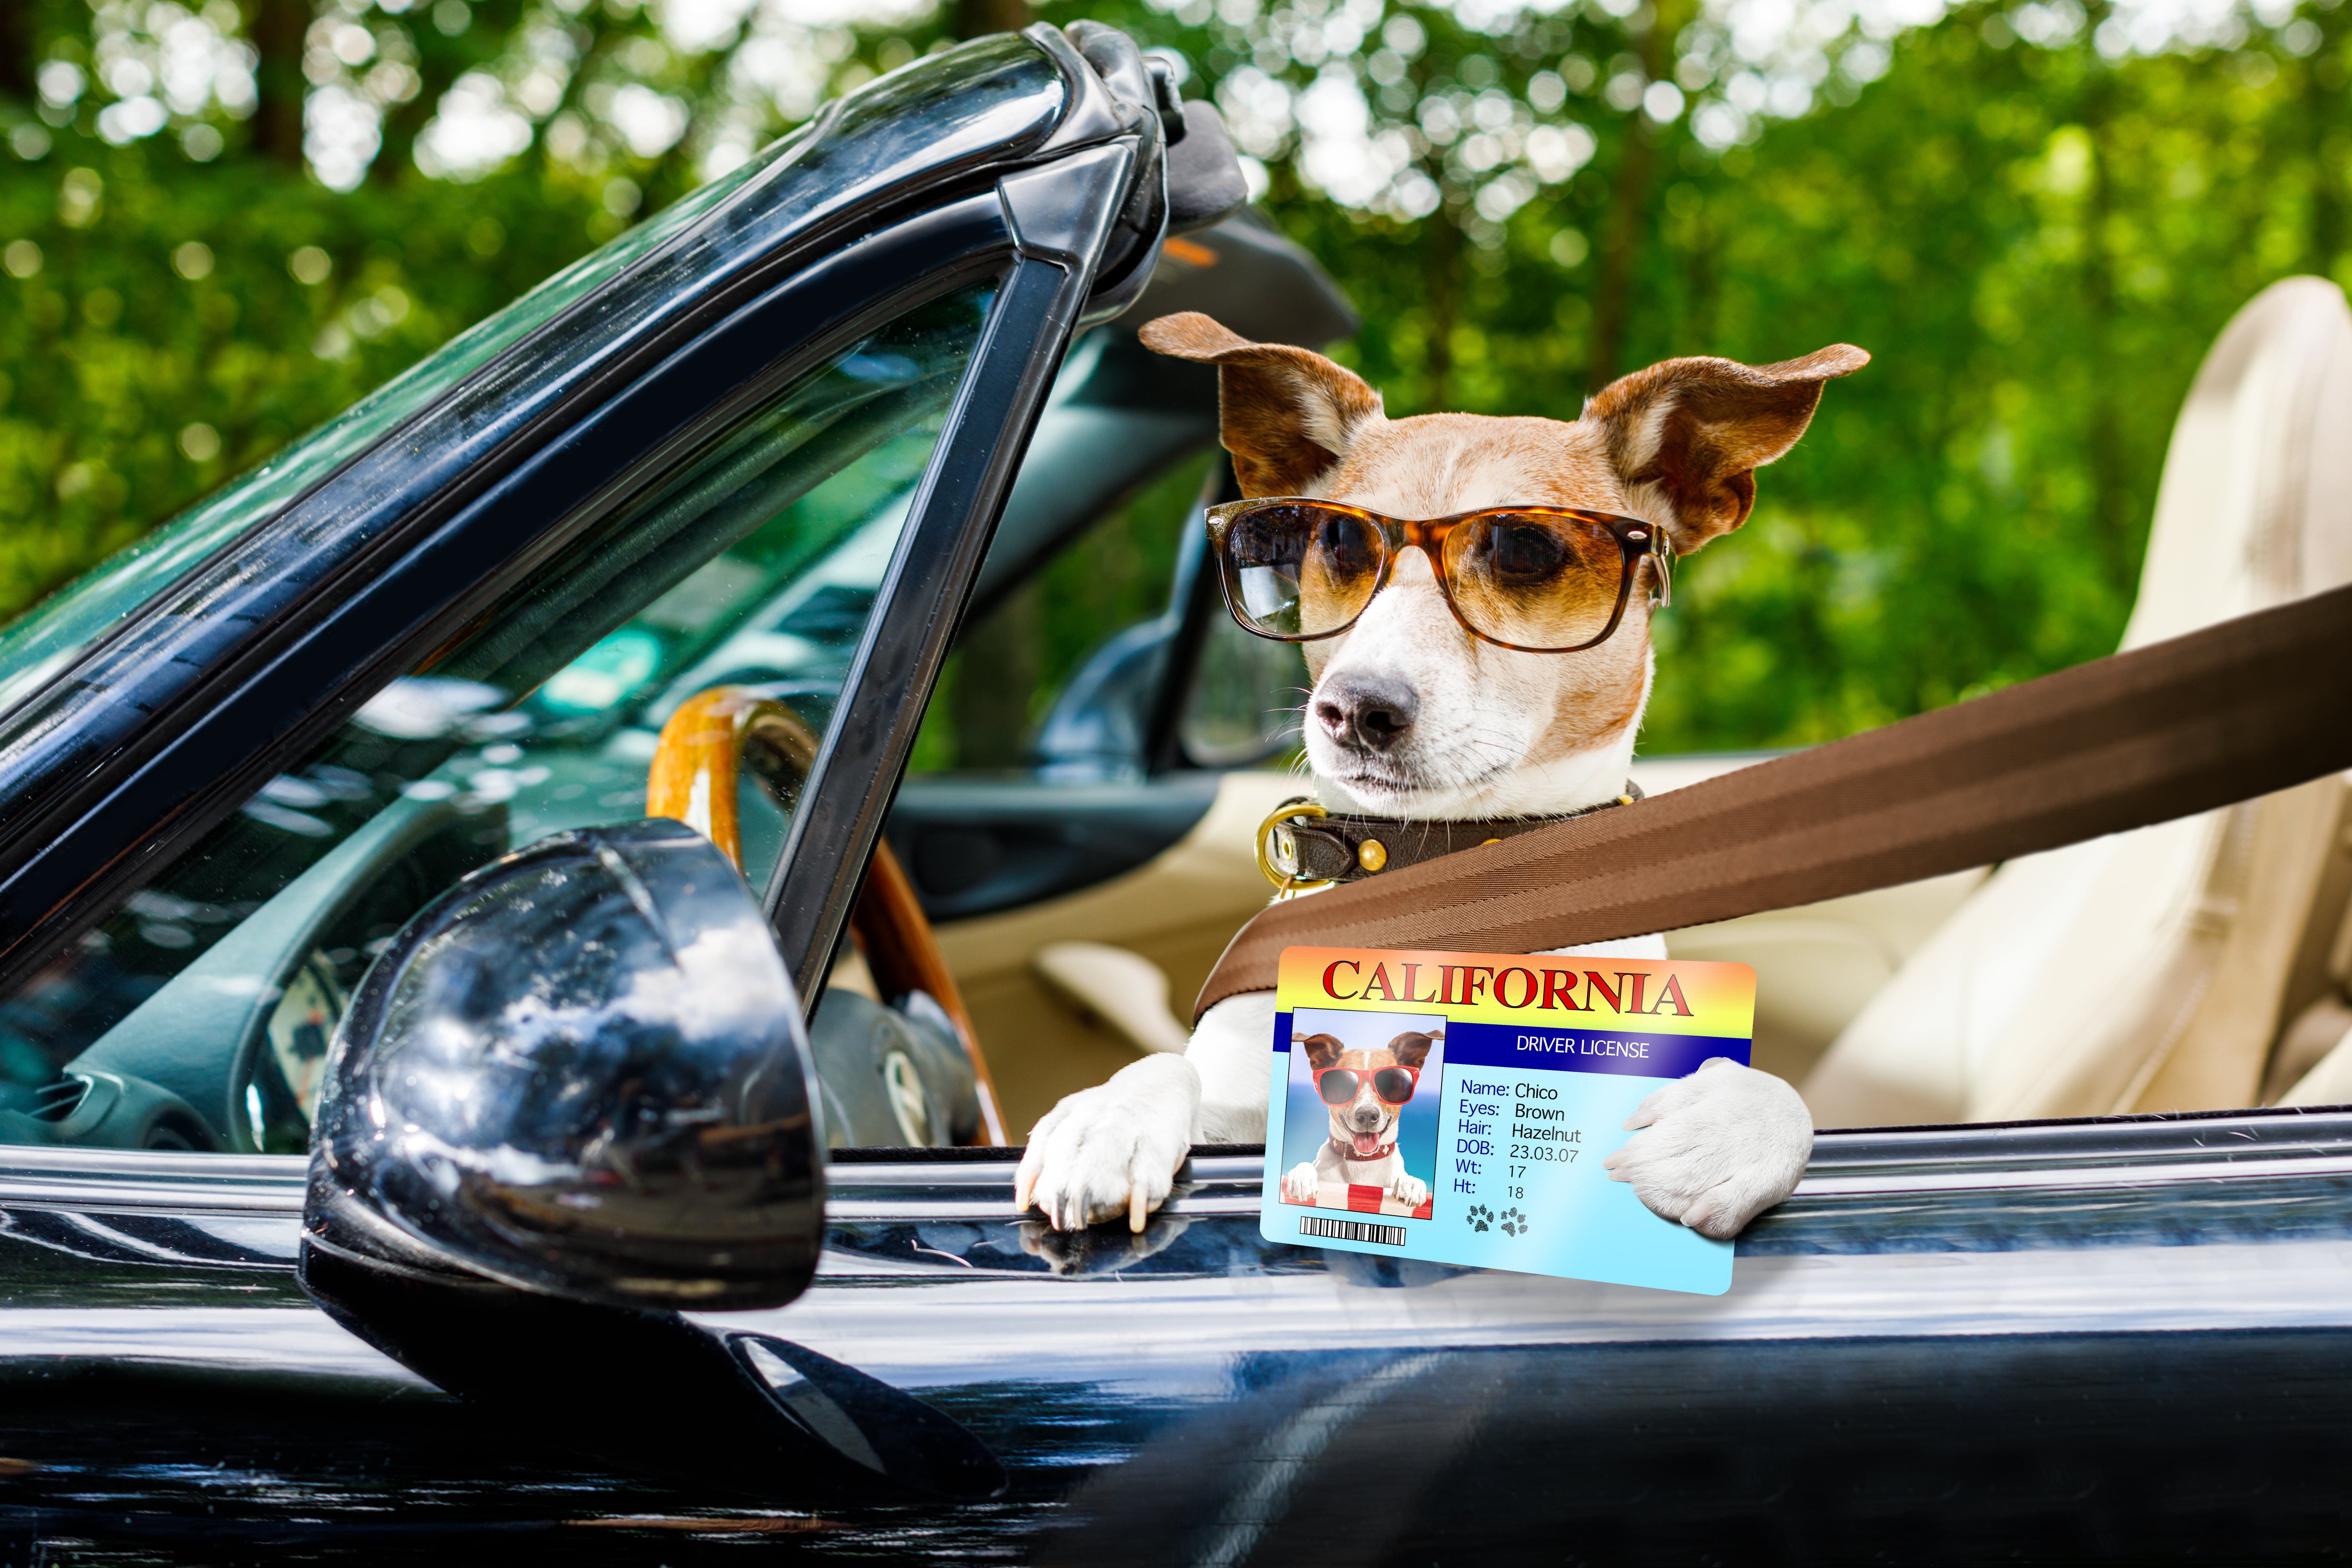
column 1456, row 1106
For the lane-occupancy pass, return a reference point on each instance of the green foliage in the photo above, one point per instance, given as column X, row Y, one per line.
column 160, row 342
column 2036, row 241
column 2038, row 248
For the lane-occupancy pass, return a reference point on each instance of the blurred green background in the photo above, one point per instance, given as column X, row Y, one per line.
column 223, row 220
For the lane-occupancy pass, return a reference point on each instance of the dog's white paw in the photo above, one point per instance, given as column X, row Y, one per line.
column 1716, row 1148
column 1301, row 1184
column 1410, row 1190
column 1114, row 1148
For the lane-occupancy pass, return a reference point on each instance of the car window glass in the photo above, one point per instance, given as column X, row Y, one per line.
column 1059, row 671
column 1244, row 701
column 197, row 1015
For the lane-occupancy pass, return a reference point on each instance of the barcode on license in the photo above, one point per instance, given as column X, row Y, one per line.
column 1352, row 1230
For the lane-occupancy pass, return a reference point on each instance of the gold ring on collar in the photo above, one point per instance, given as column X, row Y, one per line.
column 1275, row 831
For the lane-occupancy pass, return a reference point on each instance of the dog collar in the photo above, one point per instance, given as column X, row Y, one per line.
column 1348, row 1151
column 1301, row 846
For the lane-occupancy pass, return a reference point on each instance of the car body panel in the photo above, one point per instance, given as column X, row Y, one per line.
column 2101, row 1327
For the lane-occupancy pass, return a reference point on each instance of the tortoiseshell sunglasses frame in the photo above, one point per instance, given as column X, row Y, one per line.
column 1638, row 539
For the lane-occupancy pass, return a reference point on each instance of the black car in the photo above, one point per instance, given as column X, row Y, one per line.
column 352, row 788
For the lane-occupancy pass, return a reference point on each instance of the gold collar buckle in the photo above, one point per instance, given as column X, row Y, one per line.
column 1278, row 859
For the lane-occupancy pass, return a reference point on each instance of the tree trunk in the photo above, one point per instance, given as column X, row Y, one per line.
column 1442, row 284
column 18, row 39
column 1697, row 335
column 404, row 122
column 2110, row 482
column 1620, row 247
column 1629, row 206
column 2323, row 89
column 977, row 18
column 277, row 28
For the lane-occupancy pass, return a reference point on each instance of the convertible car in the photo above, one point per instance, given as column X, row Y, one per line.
column 719, row 748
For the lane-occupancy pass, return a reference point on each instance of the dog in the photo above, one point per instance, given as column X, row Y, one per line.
column 1410, row 716
column 1362, row 1151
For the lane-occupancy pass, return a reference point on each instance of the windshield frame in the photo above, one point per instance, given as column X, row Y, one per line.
column 80, row 799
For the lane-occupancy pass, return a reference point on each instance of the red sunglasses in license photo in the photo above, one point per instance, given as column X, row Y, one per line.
column 1393, row 1085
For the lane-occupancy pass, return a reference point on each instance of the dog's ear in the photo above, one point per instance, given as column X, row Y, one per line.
column 1411, row 1051
column 1322, row 1051
column 1287, row 413
column 1694, row 431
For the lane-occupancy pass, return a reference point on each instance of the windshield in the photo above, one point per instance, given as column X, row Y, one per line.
column 200, row 1009
column 45, row 638
column 946, row 109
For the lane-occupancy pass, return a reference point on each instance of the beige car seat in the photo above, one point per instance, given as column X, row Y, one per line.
column 2154, row 970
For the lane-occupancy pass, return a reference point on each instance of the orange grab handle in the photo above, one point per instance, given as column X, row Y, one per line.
column 696, row 762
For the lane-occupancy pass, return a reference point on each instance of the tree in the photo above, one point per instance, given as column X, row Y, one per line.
column 219, row 225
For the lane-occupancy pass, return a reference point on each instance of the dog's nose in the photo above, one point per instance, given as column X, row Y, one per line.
column 1370, row 712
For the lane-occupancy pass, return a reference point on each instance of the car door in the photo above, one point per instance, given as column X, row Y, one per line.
column 2107, row 1342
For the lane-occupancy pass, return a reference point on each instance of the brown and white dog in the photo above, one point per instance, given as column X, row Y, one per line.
column 1362, row 1151
column 1411, row 717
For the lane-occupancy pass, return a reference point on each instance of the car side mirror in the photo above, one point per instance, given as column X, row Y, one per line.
column 583, row 1071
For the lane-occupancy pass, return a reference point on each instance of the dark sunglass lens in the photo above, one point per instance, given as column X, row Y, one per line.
column 1535, row 580
column 1393, row 1085
column 1338, row 1086
column 1522, row 555
column 1299, row 570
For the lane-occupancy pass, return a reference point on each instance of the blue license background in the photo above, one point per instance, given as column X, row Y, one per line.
column 1306, row 1121
column 1585, row 1227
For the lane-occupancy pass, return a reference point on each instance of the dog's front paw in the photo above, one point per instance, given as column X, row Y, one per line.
column 1717, row 1148
column 1410, row 1190
column 1112, row 1150
column 1301, row 1184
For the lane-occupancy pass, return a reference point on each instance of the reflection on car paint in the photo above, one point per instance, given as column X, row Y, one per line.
column 1067, row 1360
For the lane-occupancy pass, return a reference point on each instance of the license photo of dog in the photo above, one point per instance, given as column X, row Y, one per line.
column 1360, row 1112
column 1473, row 595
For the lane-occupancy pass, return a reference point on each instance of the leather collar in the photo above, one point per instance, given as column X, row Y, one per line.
column 1318, row 847
column 1348, row 1151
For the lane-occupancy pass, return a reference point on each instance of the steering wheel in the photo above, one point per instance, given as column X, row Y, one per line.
column 707, row 741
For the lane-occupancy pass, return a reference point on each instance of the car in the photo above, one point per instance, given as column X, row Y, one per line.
column 431, row 743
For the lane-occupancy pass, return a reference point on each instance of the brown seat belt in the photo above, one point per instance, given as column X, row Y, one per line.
column 2236, row 710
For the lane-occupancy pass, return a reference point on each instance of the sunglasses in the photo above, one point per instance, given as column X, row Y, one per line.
column 1536, row 579
column 1337, row 1086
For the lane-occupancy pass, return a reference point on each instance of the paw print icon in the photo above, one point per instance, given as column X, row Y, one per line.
column 1514, row 1223
column 1480, row 1217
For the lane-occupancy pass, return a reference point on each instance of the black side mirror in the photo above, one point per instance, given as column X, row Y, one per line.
column 583, row 1071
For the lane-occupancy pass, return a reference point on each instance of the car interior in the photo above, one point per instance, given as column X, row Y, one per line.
column 1075, row 842
column 2197, row 964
